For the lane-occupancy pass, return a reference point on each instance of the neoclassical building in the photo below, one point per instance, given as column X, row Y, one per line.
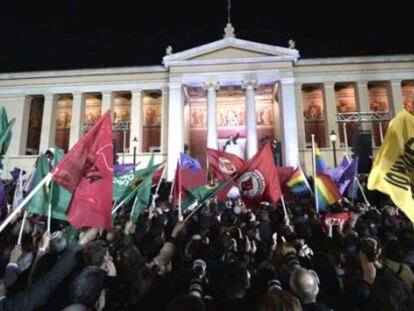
column 199, row 97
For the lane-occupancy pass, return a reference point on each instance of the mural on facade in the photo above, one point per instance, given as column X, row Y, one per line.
column 36, row 112
column 408, row 95
column 313, row 108
column 231, row 115
column 345, row 99
column 152, row 114
column 63, row 114
column 122, row 112
column 92, row 110
column 378, row 98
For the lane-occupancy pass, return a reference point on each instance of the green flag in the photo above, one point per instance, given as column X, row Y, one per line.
column 5, row 134
column 202, row 193
column 143, row 194
column 58, row 196
column 124, row 184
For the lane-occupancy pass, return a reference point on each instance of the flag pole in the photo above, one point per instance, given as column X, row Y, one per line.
column 19, row 240
column 158, row 187
column 133, row 207
column 314, row 174
column 359, row 185
column 46, row 179
column 287, row 221
column 49, row 207
column 306, row 181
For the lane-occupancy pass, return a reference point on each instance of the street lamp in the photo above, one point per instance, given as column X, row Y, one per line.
column 135, row 145
column 332, row 138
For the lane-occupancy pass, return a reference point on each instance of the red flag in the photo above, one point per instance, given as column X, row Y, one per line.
column 156, row 176
column 223, row 165
column 188, row 179
column 178, row 189
column 260, row 179
column 87, row 172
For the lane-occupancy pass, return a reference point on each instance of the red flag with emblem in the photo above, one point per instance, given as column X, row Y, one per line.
column 87, row 172
column 259, row 181
column 223, row 165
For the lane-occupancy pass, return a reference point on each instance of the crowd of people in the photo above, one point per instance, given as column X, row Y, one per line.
column 223, row 257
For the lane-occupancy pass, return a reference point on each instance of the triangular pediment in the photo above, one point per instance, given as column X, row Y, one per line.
column 230, row 50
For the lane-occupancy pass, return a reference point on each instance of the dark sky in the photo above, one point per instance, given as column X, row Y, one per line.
column 44, row 34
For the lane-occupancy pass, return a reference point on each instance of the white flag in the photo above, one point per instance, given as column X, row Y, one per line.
column 18, row 193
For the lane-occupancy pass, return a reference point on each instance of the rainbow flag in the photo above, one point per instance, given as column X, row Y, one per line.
column 328, row 192
column 297, row 182
column 321, row 167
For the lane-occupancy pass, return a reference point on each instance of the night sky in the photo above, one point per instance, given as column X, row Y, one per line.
column 47, row 35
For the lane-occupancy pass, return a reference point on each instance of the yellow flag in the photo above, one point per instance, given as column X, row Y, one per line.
column 393, row 169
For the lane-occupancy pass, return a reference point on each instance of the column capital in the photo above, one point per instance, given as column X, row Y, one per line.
column 362, row 82
column 77, row 94
column 287, row 80
column 395, row 82
column 50, row 96
column 136, row 90
column 214, row 85
column 175, row 85
column 107, row 93
column 245, row 84
column 330, row 84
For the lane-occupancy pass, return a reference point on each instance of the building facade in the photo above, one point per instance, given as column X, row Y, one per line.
column 200, row 97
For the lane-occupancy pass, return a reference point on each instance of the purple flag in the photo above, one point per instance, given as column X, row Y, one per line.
column 188, row 162
column 121, row 169
column 15, row 174
column 337, row 172
column 348, row 175
column 3, row 200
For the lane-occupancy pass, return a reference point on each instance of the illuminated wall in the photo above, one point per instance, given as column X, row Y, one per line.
column 408, row 95
column 314, row 114
column 151, row 132
column 63, row 121
column 35, row 125
column 121, row 118
column 379, row 100
column 346, row 102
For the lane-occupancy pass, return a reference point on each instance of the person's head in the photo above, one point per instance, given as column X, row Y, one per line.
column 95, row 253
column 58, row 242
column 187, row 303
column 279, row 300
column 236, row 280
column 305, row 284
column 88, row 287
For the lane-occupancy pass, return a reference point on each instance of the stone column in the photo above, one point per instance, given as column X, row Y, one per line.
column 396, row 95
column 48, row 131
column 78, row 118
column 212, row 88
column 251, row 129
column 164, row 121
column 299, row 115
column 290, row 125
column 331, row 111
column 107, row 102
column 363, row 101
column 20, row 111
column 175, row 127
column 136, row 120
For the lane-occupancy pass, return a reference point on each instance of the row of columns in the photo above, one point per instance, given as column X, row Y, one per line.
column 362, row 96
column 251, row 131
column 48, row 129
column 287, row 112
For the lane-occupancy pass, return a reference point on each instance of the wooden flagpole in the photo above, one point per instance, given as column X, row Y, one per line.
column 46, row 179
column 314, row 174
